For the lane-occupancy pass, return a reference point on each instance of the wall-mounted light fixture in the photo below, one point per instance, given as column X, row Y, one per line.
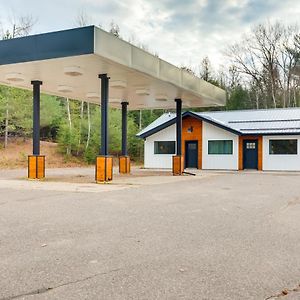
column 190, row 129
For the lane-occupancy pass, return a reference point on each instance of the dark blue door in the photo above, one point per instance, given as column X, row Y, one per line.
column 250, row 154
column 191, row 154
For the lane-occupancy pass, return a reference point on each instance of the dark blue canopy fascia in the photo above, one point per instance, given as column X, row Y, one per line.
column 72, row 42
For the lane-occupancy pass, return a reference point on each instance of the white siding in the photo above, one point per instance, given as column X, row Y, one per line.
column 160, row 161
column 280, row 162
column 218, row 162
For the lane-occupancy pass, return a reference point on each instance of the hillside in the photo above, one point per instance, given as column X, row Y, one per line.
column 15, row 155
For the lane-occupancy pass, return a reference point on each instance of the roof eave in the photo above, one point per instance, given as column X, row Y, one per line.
column 156, row 129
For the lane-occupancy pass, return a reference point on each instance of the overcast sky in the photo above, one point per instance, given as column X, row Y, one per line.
column 180, row 31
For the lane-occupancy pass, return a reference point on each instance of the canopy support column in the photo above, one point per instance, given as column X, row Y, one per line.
column 36, row 162
column 104, row 162
column 124, row 160
column 178, row 162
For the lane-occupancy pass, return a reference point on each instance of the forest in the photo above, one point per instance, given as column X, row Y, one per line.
column 259, row 74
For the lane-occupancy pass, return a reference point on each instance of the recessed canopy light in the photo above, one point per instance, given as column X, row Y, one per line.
column 142, row 92
column 140, row 104
column 15, row 77
column 93, row 95
column 118, row 84
column 161, row 97
column 115, row 101
column 65, row 89
column 73, row 71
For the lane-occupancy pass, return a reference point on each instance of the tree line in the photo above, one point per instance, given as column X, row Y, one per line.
column 259, row 75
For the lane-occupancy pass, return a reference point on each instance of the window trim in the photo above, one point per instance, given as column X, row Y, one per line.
column 282, row 139
column 219, row 141
column 173, row 153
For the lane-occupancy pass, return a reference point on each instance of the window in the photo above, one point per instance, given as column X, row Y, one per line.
column 164, row 147
column 250, row 145
column 283, row 146
column 220, row 147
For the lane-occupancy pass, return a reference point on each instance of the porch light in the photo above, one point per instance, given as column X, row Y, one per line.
column 14, row 77
column 65, row 89
column 73, row 71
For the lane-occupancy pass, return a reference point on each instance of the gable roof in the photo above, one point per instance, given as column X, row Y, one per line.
column 240, row 122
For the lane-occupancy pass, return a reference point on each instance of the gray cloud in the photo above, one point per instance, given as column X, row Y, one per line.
column 182, row 32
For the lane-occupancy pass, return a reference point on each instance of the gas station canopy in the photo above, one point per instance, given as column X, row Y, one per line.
column 68, row 63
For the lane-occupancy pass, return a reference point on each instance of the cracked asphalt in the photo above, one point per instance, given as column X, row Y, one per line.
column 212, row 236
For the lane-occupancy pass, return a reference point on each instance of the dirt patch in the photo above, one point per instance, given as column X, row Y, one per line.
column 15, row 155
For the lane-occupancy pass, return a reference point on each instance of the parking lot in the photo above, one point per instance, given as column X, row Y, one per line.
column 217, row 235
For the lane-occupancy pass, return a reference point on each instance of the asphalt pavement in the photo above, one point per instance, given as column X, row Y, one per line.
column 217, row 235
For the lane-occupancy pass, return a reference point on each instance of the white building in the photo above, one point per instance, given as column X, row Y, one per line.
column 228, row 140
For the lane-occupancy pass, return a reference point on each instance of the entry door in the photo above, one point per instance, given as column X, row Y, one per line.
column 191, row 154
column 250, row 154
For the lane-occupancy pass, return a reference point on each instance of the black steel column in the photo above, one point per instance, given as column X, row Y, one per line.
column 36, row 116
column 124, row 128
column 178, row 126
column 104, row 113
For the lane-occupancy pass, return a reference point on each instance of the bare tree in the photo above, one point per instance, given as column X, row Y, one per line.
column 80, row 126
column 114, row 29
column 205, row 69
column 69, row 148
column 19, row 27
column 82, row 19
column 89, row 126
column 188, row 69
column 265, row 59
column 234, row 77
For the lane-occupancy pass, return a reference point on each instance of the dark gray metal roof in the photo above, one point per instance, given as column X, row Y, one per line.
column 243, row 122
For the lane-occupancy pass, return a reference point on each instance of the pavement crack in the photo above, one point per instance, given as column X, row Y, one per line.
column 35, row 292
column 47, row 289
column 283, row 293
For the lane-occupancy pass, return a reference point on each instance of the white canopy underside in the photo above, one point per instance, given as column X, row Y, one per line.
column 143, row 80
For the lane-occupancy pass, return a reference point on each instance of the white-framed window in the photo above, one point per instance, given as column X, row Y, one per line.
column 164, row 147
column 220, row 147
column 283, row 147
